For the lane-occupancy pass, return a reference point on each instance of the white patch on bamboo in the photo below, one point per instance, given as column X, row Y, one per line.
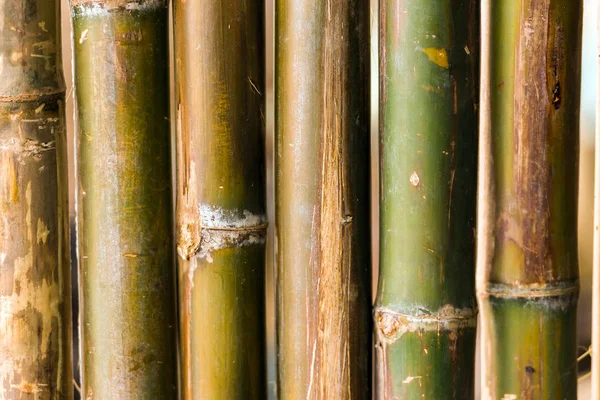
column 24, row 148
column 103, row 8
column 409, row 379
column 414, row 179
column 42, row 231
column 217, row 229
column 84, row 36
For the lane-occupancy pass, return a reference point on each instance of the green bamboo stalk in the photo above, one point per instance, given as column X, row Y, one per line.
column 35, row 290
column 528, row 273
column 425, row 315
column 322, row 193
column 220, row 87
column 125, row 238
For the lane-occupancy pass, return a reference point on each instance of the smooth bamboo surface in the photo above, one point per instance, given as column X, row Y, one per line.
column 426, row 310
column 124, row 194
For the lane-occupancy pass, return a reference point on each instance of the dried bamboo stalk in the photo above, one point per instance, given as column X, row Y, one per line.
column 322, row 193
column 35, row 294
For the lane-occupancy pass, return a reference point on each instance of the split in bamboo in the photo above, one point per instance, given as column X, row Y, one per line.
column 125, row 235
column 426, row 313
column 527, row 255
column 322, row 192
column 221, row 215
column 35, row 307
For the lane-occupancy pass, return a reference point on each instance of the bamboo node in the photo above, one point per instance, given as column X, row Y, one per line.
column 34, row 95
column 393, row 324
column 27, row 147
column 217, row 229
column 103, row 7
column 531, row 291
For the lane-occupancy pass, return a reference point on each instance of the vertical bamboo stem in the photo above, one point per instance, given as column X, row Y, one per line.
column 221, row 215
column 35, row 306
column 528, row 283
column 124, row 199
column 596, row 265
column 322, row 190
column 426, row 310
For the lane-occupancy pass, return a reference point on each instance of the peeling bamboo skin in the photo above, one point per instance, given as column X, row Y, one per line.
column 324, row 319
column 35, row 322
column 221, row 204
column 529, row 284
column 425, row 315
column 125, row 238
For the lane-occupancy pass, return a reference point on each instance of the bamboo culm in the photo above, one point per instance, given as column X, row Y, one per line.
column 595, row 356
column 425, row 314
column 322, row 191
column 35, row 307
column 221, row 205
column 124, row 199
column 527, row 232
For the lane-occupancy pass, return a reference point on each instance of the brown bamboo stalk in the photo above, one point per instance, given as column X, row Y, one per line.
column 35, row 296
column 322, row 193
column 596, row 264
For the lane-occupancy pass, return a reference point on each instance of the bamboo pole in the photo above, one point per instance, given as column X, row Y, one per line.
column 125, row 238
column 596, row 265
column 528, row 273
column 322, row 193
column 35, row 306
column 220, row 92
column 426, row 311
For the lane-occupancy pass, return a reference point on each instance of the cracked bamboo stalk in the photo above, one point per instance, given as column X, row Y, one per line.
column 35, row 306
column 125, row 238
column 322, row 191
column 220, row 87
column 527, row 279
column 425, row 314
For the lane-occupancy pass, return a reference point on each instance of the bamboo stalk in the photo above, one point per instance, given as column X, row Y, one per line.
column 220, row 86
column 528, row 273
column 125, row 238
column 426, row 312
column 595, row 349
column 322, row 190
column 35, row 307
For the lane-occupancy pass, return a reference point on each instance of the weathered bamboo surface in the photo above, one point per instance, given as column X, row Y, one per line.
column 528, row 282
column 124, row 194
column 322, row 193
column 35, row 307
column 426, row 312
column 221, row 210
